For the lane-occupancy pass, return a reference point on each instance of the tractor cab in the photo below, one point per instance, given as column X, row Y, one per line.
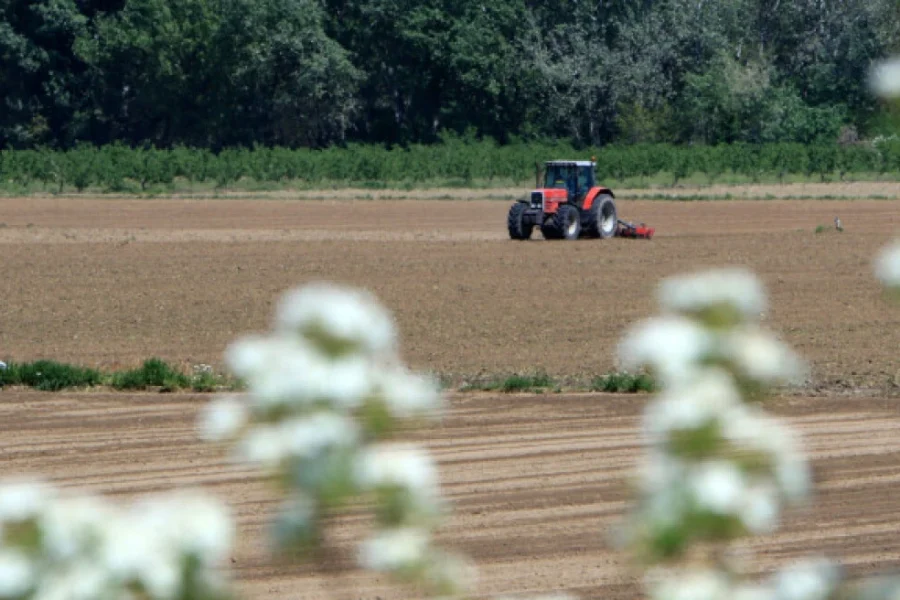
column 576, row 177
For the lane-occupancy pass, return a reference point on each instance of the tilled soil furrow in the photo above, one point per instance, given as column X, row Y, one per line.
column 535, row 484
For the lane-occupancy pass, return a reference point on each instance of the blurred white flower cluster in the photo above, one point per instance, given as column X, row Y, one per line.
column 56, row 546
column 884, row 78
column 327, row 396
column 717, row 467
column 811, row 579
column 887, row 267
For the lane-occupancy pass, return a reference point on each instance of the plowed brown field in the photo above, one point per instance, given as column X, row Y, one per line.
column 110, row 282
column 535, row 484
column 535, row 481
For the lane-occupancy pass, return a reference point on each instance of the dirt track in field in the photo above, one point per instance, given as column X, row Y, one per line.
column 535, row 484
column 109, row 282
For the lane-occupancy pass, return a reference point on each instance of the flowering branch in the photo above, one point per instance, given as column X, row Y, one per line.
column 327, row 398
column 69, row 547
column 717, row 466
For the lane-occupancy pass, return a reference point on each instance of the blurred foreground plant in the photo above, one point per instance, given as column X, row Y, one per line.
column 328, row 398
column 717, row 467
column 56, row 546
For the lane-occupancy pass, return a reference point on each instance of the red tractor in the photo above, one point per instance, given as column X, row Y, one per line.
column 570, row 204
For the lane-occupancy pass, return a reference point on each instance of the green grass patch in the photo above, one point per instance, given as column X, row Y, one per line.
column 526, row 383
column 156, row 374
column 534, row 383
column 153, row 373
column 622, row 383
column 52, row 376
column 49, row 375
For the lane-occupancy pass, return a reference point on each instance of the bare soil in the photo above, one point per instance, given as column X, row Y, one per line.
column 110, row 282
column 536, row 484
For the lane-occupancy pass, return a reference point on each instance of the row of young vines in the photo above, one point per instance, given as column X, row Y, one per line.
column 460, row 161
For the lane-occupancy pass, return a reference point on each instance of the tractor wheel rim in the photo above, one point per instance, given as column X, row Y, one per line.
column 608, row 222
column 573, row 226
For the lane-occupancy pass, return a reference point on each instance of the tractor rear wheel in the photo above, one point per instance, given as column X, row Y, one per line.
column 515, row 222
column 602, row 220
column 564, row 225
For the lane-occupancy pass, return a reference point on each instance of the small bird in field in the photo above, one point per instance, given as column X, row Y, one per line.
column 837, row 224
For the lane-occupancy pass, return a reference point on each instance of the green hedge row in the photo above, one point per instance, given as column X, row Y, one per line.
column 118, row 168
column 51, row 376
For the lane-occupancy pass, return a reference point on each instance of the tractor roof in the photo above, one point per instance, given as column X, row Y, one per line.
column 577, row 163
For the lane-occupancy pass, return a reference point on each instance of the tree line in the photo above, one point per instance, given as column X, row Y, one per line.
column 315, row 73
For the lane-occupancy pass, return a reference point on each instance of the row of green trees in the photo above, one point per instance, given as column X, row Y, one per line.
column 120, row 168
column 313, row 73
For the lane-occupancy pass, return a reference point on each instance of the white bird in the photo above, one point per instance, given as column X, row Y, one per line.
column 837, row 224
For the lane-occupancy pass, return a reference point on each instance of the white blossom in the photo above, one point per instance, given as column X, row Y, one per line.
column 718, row 486
column 709, row 396
column 538, row 597
column 399, row 465
column 394, row 549
column 253, row 354
column 884, row 78
column 299, row 376
column 346, row 315
column 452, row 574
column 17, row 573
column 887, row 265
column 760, row 508
column 21, row 500
column 793, row 477
column 750, row 429
column 306, row 436
column 200, row 526
column 811, row 579
column 696, row 584
column 658, row 471
column 761, row 357
column 82, row 580
column 86, row 548
column 407, row 394
column 665, row 507
column 691, row 294
column 160, row 574
column 671, row 346
column 133, row 545
column 223, row 418
column 73, row 525
column 748, row 591
column 263, row 445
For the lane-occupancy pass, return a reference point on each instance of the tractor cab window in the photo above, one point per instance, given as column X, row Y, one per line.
column 562, row 177
column 557, row 176
column 585, row 178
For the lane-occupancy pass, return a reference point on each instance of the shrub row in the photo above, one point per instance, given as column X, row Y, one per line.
column 117, row 168
column 51, row 376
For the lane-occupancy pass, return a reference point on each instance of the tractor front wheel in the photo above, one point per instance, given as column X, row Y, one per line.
column 564, row 225
column 519, row 228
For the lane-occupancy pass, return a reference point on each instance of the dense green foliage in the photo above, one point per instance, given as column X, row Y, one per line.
column 314, row 73
column 455, row 161
column 48, row 375
column 52, row 376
